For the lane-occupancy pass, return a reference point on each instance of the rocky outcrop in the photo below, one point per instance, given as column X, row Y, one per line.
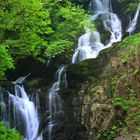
column 97, row 113
column 110, row 85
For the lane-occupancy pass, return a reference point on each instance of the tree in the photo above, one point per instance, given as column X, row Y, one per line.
column 67, row 24
column 24, row 25
column 6, row 61
column 8, row 134
column 34, row 27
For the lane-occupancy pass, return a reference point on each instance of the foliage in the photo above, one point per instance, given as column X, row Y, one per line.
column 134, row 103
column 85, row 3
column 6, row 61
column 8, row 134
column 23, row 27
column 132, row 42
column 68, row 26
column 23, row 23
column 132, row 121
column 110, row 133
column 38, row 28
column 122, row 103
column 131, row 106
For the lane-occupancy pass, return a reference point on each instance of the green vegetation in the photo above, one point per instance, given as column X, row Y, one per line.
column 132, row 43
column 38, row 28
column 110, row 133
column 133, row 117
column 129, row 121
column 121, row 103
column 6, row 60
column 8, row 134
column 129, row 6
column 69, row 24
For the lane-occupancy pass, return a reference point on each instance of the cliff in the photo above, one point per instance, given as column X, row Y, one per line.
column 106, row 106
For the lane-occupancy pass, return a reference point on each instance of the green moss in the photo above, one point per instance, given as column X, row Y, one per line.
column 130, row 41
column 126, row 123
column 121, row 103
column 132, row 44
column 133, row 117
column 110, row 133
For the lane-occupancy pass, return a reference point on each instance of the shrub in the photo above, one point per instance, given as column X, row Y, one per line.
column 9, row 134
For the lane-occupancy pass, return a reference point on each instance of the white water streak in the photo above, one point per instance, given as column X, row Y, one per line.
column 25, row 110
column 132, row 25
column 55, row 101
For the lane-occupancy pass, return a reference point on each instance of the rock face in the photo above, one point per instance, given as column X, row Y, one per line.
column 100, row 104
column 97, row 113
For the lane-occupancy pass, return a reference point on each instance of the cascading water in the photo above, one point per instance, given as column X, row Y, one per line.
column 3, row 108
column 35, row 99
column 132, row 25
column 111, row 22
column 56, row 109
column 100, row 6
column 25, row 112
column 89, row 44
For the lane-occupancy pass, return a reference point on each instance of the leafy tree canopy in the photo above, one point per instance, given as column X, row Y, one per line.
column 6, row 61
column 8, row 134
column 38, row 28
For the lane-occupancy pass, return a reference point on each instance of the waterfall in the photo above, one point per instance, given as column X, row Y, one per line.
column 3, row 108
column 89, row 44
column 101, row 6
column 56, row 109
column 112, row 24
column 132, row 25
column 35, row 99
column 25, row 112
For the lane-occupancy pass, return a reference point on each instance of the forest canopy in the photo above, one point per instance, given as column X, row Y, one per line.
column 34, row 27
